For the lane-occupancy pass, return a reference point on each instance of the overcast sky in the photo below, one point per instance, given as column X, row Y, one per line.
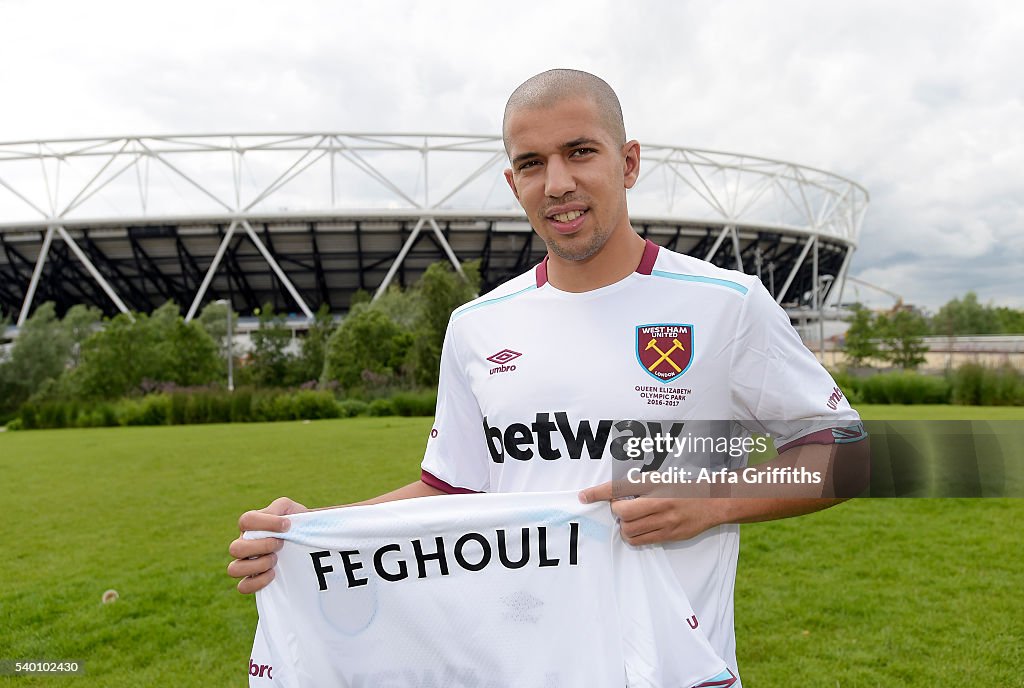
column 920, row 102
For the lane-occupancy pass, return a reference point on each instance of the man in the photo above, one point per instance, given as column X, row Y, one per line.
column 547, row 380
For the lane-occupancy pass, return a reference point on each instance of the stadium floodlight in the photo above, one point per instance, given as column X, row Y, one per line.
column 231, row 348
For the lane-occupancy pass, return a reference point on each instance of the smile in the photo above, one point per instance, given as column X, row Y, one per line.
column 568, row 222
column 567, row 217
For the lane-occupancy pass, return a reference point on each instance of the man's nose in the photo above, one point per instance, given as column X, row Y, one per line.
column 559, row 180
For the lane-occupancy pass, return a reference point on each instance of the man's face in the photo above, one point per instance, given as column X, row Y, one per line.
column 570, row 175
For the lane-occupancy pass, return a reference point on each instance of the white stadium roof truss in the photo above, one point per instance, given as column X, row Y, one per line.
column 60, row 188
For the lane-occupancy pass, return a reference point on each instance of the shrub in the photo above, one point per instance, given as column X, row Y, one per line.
column 263, row 407
column 347, row 408
column 197, row 409
column 179, row 406
column 904, row 388
column 381, row 407
column 99, row 416
column 414, row 403
column 183, row 406
column 282, row 408
column 241, row 406
column 54, row 414
column 219, row 409
column 975, row 384
column 314, row 405
column 27, row 416
column 967, row 382
column 48, row 414
column 154, row 409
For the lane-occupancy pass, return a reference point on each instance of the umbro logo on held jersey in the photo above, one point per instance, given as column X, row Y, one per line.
column 503, row 358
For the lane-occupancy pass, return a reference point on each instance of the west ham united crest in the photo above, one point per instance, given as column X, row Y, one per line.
column 664, row 351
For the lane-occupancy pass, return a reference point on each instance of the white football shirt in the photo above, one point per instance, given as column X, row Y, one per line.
column 540, row 389
column 525, row 591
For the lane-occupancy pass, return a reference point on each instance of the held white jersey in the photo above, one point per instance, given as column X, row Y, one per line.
column 542, row 389
column 518, row 591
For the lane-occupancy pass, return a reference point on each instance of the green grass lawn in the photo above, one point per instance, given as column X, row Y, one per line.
column 871, row 593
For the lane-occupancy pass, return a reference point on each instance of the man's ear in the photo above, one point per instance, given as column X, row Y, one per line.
column 511, row 183
column 631, row 163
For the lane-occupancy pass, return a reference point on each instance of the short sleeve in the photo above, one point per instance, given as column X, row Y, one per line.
column 778, row 386
column 456, row 454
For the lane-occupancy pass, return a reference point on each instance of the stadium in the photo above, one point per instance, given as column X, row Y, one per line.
column 299, row 220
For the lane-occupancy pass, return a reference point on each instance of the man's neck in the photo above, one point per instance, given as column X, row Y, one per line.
column 616, row 260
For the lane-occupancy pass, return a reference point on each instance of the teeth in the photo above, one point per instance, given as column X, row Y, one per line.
column 569, row 216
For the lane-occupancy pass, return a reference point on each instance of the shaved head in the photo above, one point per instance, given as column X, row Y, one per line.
column 551, row 87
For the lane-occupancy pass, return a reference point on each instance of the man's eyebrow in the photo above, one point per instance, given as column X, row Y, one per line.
column 582, row 141
column 522, row 157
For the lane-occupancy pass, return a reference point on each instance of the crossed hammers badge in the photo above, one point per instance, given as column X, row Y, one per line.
column 664, row 351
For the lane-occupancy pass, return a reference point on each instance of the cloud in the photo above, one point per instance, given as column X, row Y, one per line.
column 922, row 104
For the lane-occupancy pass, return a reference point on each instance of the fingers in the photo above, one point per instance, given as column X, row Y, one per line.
column 653, row 537
column 261, row 520
column 242, row 568
column 633, row 509
column 615, row 489
column 645, row 520
column 640, row 520
column 597, row 493
column 247, row 549
column 271, row 518
column 254, row 560
column 252, row 584
column 282, row 506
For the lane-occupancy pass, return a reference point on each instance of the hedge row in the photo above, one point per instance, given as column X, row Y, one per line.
column 971, row 385
column 212, row 406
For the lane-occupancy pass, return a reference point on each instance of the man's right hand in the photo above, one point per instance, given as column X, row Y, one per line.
column 255, row 559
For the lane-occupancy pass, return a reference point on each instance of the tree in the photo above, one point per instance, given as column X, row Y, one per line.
column 309, row 365
column 269, row 360
column 441, row 290
column 214, row 320
column 189, row 355
column 80, row 322
column 397, row 338
column 160, row 347
column 359, row 296
column 902, row 334
column 965, row 317
column 111, row 360
column 5, row 322
column 1010, row 321
column 367, row 344
column 402, row 306
column 40, row 353
column 859, row 341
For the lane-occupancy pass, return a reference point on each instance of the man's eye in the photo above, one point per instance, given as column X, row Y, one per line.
column 580, row 152
column 528, row 163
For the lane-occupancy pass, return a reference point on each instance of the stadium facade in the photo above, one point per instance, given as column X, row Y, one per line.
column 303, row 219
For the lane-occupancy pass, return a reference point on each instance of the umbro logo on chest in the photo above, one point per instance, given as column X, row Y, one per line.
column 503, row 359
